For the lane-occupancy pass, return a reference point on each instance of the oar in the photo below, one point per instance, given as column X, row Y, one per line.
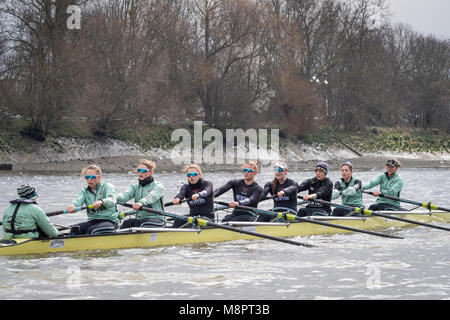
column 168, row 204
column 292, row 217
column 124, row 214
column 375, row 213
column 55, row 213
column 427, row 205
column 206, row 223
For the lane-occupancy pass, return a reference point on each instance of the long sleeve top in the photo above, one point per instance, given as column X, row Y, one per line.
column 288, row 200
column 323, row 189
column 149, row 195
column 388, row 186
column 246, row 195
column 204, row 205
column 350, row 192
column 29, row 219
column 104, row 191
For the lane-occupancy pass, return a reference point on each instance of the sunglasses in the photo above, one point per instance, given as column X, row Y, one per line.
column 392, row 163
column 248, row 170
column 142, row 170
column 278, row 169
column 90, row 177
column 192, row 174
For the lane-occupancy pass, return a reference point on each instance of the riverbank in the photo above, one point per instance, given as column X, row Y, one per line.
column 69, row 155
column 128, row 163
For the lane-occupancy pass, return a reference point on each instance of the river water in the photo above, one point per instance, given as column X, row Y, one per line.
column 351, row 266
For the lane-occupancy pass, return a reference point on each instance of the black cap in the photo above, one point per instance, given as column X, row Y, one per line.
column 392, row 162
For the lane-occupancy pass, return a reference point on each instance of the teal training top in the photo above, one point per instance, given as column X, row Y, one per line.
column 150, row 195
column 388, row 186
column 105, row 191
column 29, row 217
column 351, row 192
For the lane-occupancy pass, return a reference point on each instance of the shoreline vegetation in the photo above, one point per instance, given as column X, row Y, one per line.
column 339, row 79
column 68, row 152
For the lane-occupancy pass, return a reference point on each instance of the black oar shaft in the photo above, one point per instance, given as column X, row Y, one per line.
column 58, row 212
column 427, row 205
column 168, row 204
column 55, row 213
column 323, row 223
column 387, row 216
column 205, row 223
column 260, row 235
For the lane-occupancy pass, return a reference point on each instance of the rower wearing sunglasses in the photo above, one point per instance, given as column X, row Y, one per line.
column 199, row 196
column 283, row 191
column 246, row 192
column 319, row 187
column 146, row 192
column 102, row 218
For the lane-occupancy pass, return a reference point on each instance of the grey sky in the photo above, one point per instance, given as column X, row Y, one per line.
column 424, row 16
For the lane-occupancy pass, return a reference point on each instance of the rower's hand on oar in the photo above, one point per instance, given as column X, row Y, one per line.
column 233, row 204
column 176, row 201
column 71, row 208
column 137, row 206
column 376, row 193
column 309, row 197
column 195, row 196
column 97, row 204
column 280, row 194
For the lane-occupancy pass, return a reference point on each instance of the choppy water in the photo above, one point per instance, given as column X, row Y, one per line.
column 352, row 266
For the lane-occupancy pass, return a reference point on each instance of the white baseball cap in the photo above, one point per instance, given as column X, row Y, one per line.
column 280, row 164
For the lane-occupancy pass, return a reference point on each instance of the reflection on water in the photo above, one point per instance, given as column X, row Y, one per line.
column 346, row 266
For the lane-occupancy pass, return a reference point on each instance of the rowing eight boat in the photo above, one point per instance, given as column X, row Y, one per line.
column 154, row 237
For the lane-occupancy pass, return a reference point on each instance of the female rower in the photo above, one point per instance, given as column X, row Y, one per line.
column 246, row 192
column 349, row 189
column 283, row 190
column 102, row 218
column 319, row 187
column 146, row 192
column 390, row 183
column 199, row 195
column 23, row 218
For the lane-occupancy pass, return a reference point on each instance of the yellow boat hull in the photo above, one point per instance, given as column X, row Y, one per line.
column 154, row 238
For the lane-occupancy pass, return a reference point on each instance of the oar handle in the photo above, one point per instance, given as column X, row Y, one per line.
column 168, row 204
column 121, row 215
column 55, row 213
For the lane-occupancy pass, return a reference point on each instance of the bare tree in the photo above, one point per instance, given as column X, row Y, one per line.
column 43, row 51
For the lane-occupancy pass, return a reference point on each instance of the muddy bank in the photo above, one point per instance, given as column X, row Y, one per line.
column 128, row 163
column 63, row 155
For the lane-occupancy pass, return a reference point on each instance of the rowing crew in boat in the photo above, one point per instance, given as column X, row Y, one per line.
column 24, row 219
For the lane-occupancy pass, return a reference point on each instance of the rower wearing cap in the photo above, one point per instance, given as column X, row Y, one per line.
column 319, row 187
column 349, row 189
column 390, row 183
column 283, row 190
column 23, row 218
column 246, row 192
